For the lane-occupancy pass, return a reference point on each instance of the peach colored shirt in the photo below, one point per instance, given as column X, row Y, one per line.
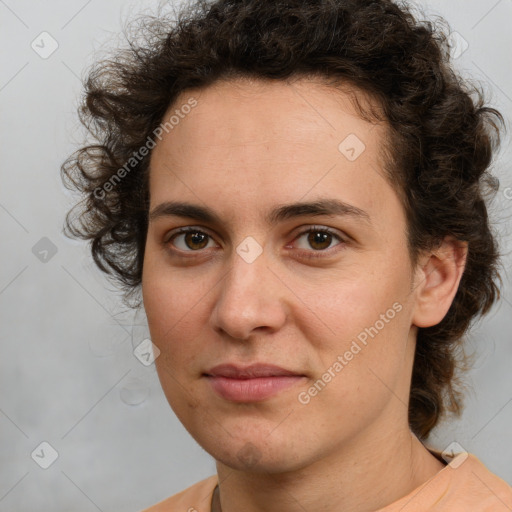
column 464, row 485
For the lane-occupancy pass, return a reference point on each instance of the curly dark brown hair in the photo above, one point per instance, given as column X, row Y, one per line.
column 442, row 138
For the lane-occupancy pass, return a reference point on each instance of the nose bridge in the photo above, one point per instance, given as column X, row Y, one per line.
column 249, row 296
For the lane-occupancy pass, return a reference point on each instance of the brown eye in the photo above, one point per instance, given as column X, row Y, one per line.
column 318, row 239
column 189, row 240
column 196, row 240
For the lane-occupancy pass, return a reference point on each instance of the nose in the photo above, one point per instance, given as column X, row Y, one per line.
column 251, row 298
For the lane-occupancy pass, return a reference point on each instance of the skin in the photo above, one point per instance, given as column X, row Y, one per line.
column 247, row 147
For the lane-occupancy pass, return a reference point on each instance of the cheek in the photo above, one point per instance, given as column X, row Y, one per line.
column 364, row 319
column 172, row 297
column 174, row 317
column 360, row 368
column 169, row 309
column 348, row 302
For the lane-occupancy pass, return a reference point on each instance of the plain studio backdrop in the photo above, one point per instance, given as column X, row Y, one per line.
column 84, row 424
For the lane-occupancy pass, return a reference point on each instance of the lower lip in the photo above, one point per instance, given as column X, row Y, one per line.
column 251, row 390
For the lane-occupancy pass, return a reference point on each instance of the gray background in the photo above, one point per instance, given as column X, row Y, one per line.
column 68, row 375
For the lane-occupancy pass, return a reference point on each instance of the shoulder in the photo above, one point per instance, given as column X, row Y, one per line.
column 464, row 484
column 196, row 498
column 478, row 485
column 467, row 484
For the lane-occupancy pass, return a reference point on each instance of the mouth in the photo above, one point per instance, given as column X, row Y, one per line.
column 252, row 383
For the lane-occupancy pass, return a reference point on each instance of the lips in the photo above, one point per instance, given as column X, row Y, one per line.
column 249, row 372
column 252, row 383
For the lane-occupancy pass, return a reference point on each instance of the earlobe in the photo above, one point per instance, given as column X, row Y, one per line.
column 437, row 281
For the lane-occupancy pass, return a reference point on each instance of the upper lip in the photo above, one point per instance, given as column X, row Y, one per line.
column 246, row 372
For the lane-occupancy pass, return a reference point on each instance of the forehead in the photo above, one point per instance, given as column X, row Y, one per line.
column 270, row 119
column 250, row 111
column 269, row 142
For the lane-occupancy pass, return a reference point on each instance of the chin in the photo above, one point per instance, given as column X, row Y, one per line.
column 257, row 456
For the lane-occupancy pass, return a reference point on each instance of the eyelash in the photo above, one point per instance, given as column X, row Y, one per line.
column 312, row 253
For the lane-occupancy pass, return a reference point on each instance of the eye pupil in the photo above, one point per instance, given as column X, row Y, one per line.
column 319, row 237
column 196, row 238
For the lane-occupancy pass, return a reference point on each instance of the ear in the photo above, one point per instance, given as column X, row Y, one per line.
column 437, row 279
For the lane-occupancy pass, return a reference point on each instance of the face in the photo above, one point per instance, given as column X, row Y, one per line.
column 321, row 291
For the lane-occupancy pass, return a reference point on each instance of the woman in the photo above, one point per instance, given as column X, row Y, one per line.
column 297, row 189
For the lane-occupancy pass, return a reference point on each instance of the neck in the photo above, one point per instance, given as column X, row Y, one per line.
column 349, row 479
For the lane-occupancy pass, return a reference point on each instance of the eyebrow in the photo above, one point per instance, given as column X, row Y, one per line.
column 278, row 214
